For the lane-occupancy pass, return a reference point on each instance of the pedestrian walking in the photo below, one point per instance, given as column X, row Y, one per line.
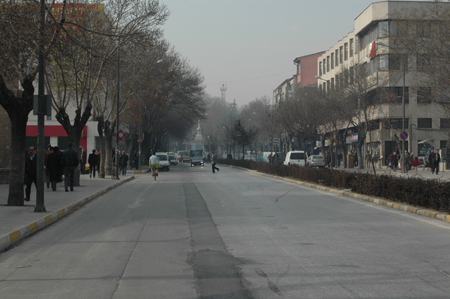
column 83, row 161
column 47, row 175
column 339, row 158
column 368, row 159
column 393, row 160
column 429, row 154
column 435, row 159
column 213, row 162
column 30, row 171
column 328, row 157
column 55, row 167
column 93, row 162
column 123, row 162
column 71, row 161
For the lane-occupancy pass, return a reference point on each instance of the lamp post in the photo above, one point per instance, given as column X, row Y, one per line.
column 117, row 112
column 402, row 157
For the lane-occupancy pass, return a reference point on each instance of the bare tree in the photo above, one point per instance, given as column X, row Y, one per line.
column 20, row 31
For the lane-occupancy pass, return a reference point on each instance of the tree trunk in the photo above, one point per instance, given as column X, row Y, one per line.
column 16, row 181
column 18, row 110
column 74, row 131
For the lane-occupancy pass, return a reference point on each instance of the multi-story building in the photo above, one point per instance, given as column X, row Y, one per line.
column 306, row 72
column 386, row 22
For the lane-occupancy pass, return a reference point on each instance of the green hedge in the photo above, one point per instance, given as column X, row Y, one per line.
column 430, row 194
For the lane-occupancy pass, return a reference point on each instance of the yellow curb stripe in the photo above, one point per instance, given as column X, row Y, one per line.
column 33, row 226
column 14, row 236
column 430, row 214
column 61, row 213
column 412, row 209
column 396, row 206
column 70, row 207
column 48, row 219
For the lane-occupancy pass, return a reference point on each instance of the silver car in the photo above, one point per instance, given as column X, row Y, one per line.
column 315, row 161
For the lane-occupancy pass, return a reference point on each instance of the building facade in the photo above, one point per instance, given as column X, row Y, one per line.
column 374, row 47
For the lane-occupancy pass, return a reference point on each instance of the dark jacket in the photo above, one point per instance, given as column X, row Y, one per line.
column 93, row 159
column 123, row 160
column 55, row 166
column 31, row 166
column 70, row 158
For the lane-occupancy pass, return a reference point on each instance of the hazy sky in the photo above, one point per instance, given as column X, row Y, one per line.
column 250, row 45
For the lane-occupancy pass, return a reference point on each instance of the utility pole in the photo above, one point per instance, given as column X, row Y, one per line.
column 40, row 176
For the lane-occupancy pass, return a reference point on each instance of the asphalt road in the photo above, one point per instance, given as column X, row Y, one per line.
column 233, row 234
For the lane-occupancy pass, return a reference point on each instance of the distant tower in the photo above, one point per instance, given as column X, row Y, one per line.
column 223, row 90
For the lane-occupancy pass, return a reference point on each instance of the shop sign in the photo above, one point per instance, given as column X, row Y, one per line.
column 355, row 137
column 348, row 139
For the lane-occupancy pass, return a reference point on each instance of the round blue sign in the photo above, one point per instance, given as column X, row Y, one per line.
column 404, row 135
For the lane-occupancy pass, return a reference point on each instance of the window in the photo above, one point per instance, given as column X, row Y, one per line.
column 346, row 51
column 328, row 63
column 423, row 61
column 324, row 86
column 396, row 123
column 443, row 144
column 424, row 95
column 320, row 68
column 445, row 123
column 337, row 78
column 336, row 55
column 332, row 60
column 424, row 123
column 352, row 47
column 332, row 83
column 398, row 28
column 324, row 66
column 341, row 54
column 393, row 95
column 423, row 28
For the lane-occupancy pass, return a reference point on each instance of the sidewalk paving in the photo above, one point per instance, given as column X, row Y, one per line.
column 17, row 223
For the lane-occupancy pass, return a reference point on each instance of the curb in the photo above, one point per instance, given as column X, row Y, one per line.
column 10, row 239
column 379, row 201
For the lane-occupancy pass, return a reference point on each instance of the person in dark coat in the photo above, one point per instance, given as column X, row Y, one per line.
column 30, row 171
column 70, row 160
column 435, row 159
column 47, row 175
column 93, row 162
column 83, row 160
column 123, row 162
column 55, row 167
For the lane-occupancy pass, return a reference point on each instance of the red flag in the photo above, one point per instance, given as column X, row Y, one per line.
column 373, row 50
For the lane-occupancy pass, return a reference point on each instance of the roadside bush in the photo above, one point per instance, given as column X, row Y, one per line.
column 430, row 194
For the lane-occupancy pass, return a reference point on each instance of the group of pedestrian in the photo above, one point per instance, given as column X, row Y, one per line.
column 57, row 164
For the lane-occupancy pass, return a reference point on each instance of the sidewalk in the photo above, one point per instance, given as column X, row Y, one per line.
column 17, row 223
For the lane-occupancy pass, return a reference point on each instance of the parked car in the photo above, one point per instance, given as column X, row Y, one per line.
column 251, row 158
column 265, row 157
column 295, row 158
column 315, row 161
column 163, row 160
column 173, row 159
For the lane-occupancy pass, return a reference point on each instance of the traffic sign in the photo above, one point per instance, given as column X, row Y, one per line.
column 404, row 135
column 139, row 140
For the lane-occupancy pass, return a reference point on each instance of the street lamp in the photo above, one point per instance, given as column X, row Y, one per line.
column 403, row 103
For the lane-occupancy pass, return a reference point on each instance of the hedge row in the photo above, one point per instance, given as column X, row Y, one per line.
column 430, row 194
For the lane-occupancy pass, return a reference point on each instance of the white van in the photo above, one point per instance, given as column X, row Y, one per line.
column 163, row 160
column 295, row 158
